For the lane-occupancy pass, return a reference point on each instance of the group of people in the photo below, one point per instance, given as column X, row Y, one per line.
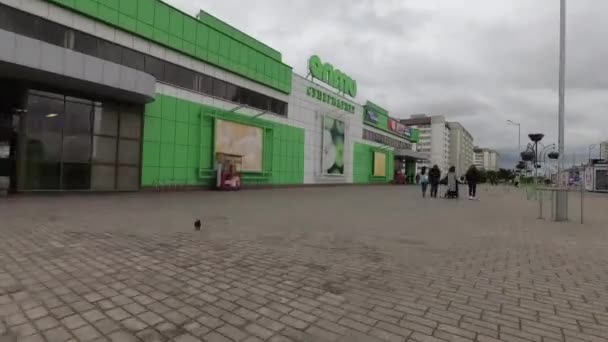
column 433, row 178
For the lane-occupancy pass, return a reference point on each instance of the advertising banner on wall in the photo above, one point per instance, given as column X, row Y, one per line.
column 241, row 140
column 333, row 146
column 399, row 128
column 379, row 164
column 371, row 116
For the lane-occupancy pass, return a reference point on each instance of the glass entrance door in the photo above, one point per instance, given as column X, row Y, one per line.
column 11, row 97
column 74, row 144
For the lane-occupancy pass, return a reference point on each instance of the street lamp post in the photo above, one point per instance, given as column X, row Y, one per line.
column 511, row 122
column 561, row 200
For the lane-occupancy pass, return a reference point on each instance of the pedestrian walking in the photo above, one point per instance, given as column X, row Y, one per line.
column 434, row 179
column 451, row 180
column 424, row 181
column 472, row 177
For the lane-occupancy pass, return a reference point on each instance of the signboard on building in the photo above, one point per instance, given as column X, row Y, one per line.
column 335, row 78
column 371, row 116
column 330, row 99
column 399, row 128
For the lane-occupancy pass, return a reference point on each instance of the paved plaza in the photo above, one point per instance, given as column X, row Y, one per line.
column 314, row 264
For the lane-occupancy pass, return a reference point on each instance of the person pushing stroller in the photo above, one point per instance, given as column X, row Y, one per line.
column 451, row 180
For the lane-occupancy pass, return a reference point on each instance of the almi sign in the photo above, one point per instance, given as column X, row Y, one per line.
column 335, row 78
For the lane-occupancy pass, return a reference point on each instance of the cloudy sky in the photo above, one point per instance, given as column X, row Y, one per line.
column 479, row 62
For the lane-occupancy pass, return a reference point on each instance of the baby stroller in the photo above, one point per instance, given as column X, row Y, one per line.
column 451, row 193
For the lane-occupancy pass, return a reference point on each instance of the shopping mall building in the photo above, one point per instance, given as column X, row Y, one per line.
column 122, row 95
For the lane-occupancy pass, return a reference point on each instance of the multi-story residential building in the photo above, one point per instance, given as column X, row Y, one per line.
column 486, row 159
column 604, row 150
column 461, row 148
column 434, row 139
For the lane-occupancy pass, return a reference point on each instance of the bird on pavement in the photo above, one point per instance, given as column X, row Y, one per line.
column 197, row 225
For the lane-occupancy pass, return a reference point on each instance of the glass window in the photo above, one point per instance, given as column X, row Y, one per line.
column 205, row 84
column 40, row 175
column 76, row 148
column 219, row 88
column 186, row 78
column 104, row 150
column 128, row 152
column 103, row 177
column 232, row 93
column 130, row 122
column 85, row 43
column 76, row 176
column 26, row 24
column 128, row 178
column 155, row 67
column 244, row 95
column 78, row 116
column 259, row 101
column 181, row 77
column 278, row 107
column 69, row 39
column 133, row 59
column 43, row 128
column 106, row 120
column 52, row 33
column 110, row 51
column 6, row 18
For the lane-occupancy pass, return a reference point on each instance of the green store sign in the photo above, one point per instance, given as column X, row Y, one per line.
column 335, row 78
column 330, row 99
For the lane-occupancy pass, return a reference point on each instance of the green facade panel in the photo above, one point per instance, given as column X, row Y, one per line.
column 363, row 164
column 207, row 39
column 178, row 146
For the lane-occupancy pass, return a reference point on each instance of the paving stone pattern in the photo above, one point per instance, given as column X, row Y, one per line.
column 323, row 264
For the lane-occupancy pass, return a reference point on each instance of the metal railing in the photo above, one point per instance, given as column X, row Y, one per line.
column 546, row 196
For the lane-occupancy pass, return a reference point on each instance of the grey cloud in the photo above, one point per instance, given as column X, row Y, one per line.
column 480, row 62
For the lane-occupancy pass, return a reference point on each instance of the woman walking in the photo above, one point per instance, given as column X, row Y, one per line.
column 472, row 178
column 424, row 181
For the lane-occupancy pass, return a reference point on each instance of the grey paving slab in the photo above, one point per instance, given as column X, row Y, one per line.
column 319, row 264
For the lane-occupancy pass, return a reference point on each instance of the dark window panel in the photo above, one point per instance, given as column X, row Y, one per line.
column 52, row 33
column 76, row 149
column 44, row 121
column 110, row 51
column 219, row 88
column 259, row 101
column 7, row 16
column 85, row 44
column 205, row 84
column 181, row 77
column 26, row 24
column 128, row 152
column 42, row 175
column 106, row 120
column 76, row 176
column 78, row 117
column 133, row 59
column 103, row 177
column 128, row 178
column 104, row 150
column 244, row 95
column 130, row 122
column 155, row 67
column 232, row 92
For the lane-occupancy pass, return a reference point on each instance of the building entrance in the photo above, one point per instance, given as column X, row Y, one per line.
column 63, row 143
column 10, row 110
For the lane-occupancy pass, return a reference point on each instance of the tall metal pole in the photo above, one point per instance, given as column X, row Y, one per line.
column 561, row 213
column 519, row 138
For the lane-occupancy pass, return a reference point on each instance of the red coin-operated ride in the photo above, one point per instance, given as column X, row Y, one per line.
column 228, row 171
